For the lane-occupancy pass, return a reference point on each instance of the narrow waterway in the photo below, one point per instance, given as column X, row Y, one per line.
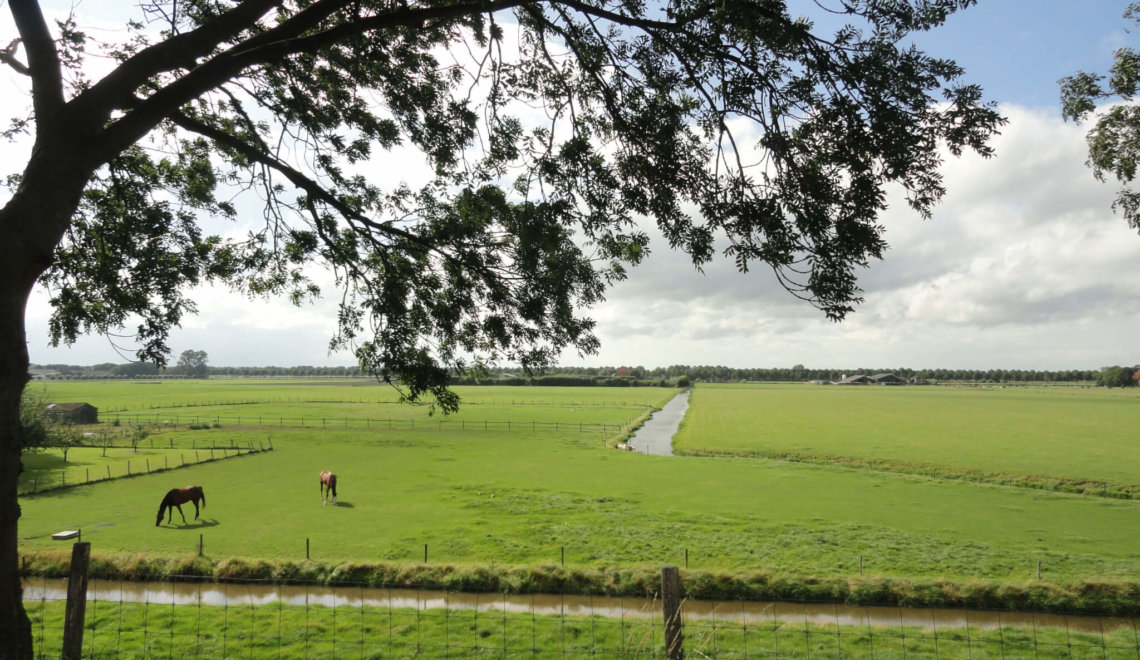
column 738, row 612
column 656, row 435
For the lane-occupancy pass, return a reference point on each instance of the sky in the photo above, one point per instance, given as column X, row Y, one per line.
column 1022, row 266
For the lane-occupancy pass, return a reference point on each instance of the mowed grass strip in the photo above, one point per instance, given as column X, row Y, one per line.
column 1077, row 434
column 521, row 498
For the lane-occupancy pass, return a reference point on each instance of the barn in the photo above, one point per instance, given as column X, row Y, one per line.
column 74, row 413
column 887, row 379
column 859, row 379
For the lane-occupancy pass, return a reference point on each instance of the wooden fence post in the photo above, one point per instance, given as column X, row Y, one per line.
column 671, row 601
column 76, row 602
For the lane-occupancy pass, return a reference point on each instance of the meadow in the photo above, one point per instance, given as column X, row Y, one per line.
column 1043, row 436
column 528, row 497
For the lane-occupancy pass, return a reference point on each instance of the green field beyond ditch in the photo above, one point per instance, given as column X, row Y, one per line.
column 1036, row 436
column 522, row 497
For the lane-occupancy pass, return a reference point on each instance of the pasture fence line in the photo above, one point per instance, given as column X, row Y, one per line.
column 354, row 423
column 45, row 481
column 261, row 619
column 303, row 400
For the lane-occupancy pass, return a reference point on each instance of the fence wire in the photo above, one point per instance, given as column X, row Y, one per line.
column 255, row 619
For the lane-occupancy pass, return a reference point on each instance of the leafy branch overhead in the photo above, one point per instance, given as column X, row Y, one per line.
column 1114, row 138
column 552, row 130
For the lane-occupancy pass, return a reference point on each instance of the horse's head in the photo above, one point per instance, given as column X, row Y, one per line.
column 158, row 520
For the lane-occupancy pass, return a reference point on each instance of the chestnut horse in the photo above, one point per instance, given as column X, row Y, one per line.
column 328, row 487
column 176, row 497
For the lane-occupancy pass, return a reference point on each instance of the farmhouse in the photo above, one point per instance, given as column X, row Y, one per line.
column 887, row 379
column 859, row 379
column 75, row 413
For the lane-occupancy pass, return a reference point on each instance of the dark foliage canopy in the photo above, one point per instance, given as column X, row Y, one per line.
column 1114, row 138
column 554, row 130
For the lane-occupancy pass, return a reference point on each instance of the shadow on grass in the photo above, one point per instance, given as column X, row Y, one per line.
column 193, row 524
column 347, row 505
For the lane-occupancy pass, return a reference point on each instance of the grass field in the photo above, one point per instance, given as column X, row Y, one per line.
column 521, row 497
column 1016, row 434
column 277, row 631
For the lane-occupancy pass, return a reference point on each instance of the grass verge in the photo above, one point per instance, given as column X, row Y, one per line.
column 1113, row 597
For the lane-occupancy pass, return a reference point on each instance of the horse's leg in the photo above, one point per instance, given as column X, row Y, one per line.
column 181, row 514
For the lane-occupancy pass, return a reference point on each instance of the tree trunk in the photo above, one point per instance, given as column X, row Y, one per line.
column 31, row 224
column 15, row 629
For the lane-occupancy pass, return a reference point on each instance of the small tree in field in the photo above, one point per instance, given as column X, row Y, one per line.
column 135, row 435
column 104, row 440
column 65, row 437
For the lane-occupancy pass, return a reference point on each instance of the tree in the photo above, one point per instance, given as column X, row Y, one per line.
column 135, row 435
column 192, row 364
column 551, row 128
column 1116, row 377
column 1114, row 139
column 65, row 437
column 35, row 424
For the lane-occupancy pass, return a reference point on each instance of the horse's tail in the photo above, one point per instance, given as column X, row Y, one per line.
column 332, row 482
column 202, row 492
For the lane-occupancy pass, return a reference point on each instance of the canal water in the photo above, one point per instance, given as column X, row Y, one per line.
column 738, row 612
column 656, row 435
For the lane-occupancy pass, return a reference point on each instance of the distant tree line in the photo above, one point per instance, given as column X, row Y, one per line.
column 625, row 376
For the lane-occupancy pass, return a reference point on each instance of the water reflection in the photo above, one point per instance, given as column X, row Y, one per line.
column 656, row 435
column 739, row 612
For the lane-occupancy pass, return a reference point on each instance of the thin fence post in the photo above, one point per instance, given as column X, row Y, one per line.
column 200, row 545
column 671, row 602
column 425, row 553
column 76, row 602
column 306, row 547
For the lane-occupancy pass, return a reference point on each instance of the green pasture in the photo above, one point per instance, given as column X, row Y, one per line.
column 1080, row 434
column 47, row 469
column 117, row 630
column 527, row 496
column 362, row 397
column 517, row 498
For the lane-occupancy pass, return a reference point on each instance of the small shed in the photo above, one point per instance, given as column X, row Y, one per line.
column 74, row 413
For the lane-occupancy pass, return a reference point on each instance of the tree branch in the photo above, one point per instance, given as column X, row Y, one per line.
column 8, row 56
column 273, row 46
column 180, row 51
column 43, row 59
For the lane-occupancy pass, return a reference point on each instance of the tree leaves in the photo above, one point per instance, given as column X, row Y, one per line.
column 553, row 130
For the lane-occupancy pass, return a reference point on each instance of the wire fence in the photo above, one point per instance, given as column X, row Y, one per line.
column 257, row 619
column 561, row 403
column 44, row 481
column 358, row 423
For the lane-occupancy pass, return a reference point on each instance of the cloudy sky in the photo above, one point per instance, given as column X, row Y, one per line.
column 1023, row 265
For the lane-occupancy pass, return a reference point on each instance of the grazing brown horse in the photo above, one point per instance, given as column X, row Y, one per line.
column 328, row 487
column 176, row 497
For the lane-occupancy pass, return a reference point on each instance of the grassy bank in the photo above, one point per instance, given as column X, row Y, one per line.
column 1120, row 597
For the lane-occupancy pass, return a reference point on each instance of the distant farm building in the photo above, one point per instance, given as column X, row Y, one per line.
column 74, row 413
column 887, row 379
column 820, row 382
column 38, row 373
column 858, row 379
